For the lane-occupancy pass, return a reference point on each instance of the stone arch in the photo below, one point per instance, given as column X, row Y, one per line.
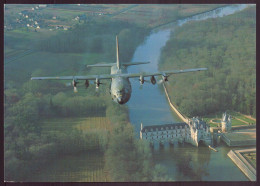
column 201, row 143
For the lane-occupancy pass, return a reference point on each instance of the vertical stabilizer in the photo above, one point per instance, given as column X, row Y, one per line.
column 117, row 54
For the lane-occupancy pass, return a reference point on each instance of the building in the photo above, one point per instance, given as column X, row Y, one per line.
column 200, row 132
column 165, row 133
column 226, row 123
column 193, row 132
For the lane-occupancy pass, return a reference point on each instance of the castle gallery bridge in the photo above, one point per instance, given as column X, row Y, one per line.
column 194, row 132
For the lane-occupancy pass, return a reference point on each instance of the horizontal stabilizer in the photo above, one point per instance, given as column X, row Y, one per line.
column 135, row 63
column 102, row 65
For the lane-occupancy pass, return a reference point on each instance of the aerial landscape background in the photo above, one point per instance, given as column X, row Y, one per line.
column 54, row 134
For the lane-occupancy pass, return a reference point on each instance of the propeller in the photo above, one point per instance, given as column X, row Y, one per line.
column 97, row 82
column 141, row 79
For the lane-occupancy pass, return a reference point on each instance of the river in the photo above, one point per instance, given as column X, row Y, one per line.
column 149, row 106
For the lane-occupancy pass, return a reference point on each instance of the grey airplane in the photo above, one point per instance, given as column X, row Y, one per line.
column 120, row 88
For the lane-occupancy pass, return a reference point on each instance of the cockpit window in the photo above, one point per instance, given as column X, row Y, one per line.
column 121, row 91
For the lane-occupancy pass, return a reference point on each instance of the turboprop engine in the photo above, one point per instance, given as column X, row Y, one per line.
column 74, row 83
column 86, row 83
column 97, row 83
column 141, row 79
column 153, row 80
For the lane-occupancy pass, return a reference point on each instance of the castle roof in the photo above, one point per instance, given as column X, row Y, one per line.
column 163, row 127
column 197, row 123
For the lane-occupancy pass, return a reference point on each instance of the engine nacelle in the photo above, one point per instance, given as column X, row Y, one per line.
column 153, row 80
column 74, row 83
column 165, row 77
column 86, row 83
column 141, row 79
column 97, row 83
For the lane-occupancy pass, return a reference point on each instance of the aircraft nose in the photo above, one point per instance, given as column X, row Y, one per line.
column 119, row 100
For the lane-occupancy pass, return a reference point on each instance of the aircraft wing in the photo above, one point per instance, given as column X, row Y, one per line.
column 89, row 77
column 162, row 73
column 110, row 76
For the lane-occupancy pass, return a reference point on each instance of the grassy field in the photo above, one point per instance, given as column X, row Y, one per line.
column 86, row 167
column 150, row 15
column 83, row 124
column 235, row 119
column 80, row 168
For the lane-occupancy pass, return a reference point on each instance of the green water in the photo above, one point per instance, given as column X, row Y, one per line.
column 185, row 162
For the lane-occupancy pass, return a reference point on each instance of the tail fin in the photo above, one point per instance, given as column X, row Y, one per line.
column 117, row 54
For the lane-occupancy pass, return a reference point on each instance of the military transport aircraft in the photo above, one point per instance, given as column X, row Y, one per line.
column 120, row 88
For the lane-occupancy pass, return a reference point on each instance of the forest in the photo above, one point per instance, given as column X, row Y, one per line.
column 27, row 147
column 227, row 47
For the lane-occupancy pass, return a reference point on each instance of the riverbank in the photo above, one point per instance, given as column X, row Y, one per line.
column 185, row 17
column 179, row 114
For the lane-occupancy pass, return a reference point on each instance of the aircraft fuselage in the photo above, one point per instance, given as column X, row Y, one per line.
column 120, row 89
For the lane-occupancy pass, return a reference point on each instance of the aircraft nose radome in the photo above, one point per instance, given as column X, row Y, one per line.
column 120, row 101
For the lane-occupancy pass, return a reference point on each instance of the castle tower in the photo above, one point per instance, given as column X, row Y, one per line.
column 226, row 123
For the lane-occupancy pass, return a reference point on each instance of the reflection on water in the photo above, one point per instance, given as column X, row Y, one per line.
column 188, row 163
column 149, row 106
